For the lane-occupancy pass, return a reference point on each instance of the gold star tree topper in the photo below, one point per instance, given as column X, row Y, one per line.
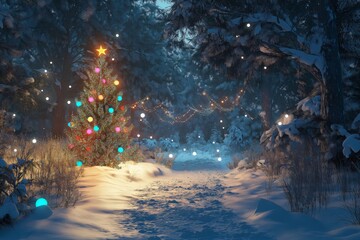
column 101, row 50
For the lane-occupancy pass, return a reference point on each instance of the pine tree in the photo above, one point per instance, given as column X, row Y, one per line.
column 99, row 132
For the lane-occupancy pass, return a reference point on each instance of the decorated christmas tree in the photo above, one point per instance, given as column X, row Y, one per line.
column 99, row 132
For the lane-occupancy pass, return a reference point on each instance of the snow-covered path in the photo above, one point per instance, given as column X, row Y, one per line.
column 185, row 206
column 142, row 201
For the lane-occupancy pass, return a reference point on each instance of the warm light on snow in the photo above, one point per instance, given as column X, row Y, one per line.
column 171, row 155
column 280, row 123
column 34, row 140
column 142, row 115
column 41, row 202
column 194, row 153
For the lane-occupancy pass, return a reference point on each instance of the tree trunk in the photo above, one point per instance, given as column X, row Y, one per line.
column 266, row 100
column 333, row 103
column 59, row 112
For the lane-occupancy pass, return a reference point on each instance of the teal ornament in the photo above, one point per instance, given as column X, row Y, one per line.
column 119, row 98
column 79, row 163
column 111, row 110
column 96, row 128
column 120, row 149
column 78, row 103
column 41, row 202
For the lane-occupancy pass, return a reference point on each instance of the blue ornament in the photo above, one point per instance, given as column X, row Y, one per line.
column 96, row 128
column 78, row 103
column 119, row 98
column 111, row 110
column 41, row 202
column 69, row 124
column 120, row 149
column 79, row 163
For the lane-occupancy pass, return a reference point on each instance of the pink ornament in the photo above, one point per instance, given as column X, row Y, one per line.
column 89, row 131
column 117, row 129
column 103, row 80
column 71, row 146
column 91, row 99
column 97, row 70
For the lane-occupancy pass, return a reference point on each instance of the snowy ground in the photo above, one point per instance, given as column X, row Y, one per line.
column 147, row 201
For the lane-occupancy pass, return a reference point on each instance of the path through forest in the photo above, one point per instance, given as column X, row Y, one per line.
column 185, row 205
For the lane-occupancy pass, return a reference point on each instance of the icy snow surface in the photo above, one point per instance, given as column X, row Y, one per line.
column 148, row 201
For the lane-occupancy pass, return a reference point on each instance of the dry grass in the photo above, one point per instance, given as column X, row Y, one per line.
column 54, row 175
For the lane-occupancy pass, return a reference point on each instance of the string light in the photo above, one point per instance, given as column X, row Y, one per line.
column 101, row 97
column 171, row 155
column 142, row 115
column 78, row 103
column 117, row 129
column 138, row 135
column 91, row 99
column 89, row 131
column 15, row 150
column 34, row 140
column 90, row 119
column 248, row 25
column 51, row 62
column 205, row 111
column 111, row 110
column 116, row 82
column 280, row 123
column 194, row 153
column 265, row 67
column 45, row 71
column 47, row 98
column 69, row 102
column 151, row 137
column 96, row 128
column 117, row 35
column 219, row 159
column 69, row 86
column 286, row 115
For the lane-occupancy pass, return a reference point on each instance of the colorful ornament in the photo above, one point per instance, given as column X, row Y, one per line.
column 117, row 129
column 70, row 124
column 71, row 146
column 91, row 99
column 103, row 81
column 101, row 50
column 116, row 82
column 111, row 110
column 120, row 149
column 79, row 163
column 96, row 128
column 90, row 119
column 97, row 70
column 119, row 98
column 41, row 202
column 101, row 97
column 89, row 131
column 122, row 108
column 78, row 103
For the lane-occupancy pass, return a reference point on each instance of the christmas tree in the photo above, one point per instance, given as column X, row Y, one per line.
column 99, row 133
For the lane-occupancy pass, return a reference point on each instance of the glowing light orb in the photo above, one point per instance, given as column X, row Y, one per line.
column 14, row 115
column 69, row 86
column 194, row 153
column 47, row 98
column 113, row 59
column 96, row 128
column 117, row 35
column 120, row 149
column 184, row 149
column 70, row 124
column 265, row 67
column 219, row 159
column 34, row 141
column 78, row 103
column 68, row 102
column 119, row 98
column 217, row 150
column 117, row 129
column 245, row 115
column 248, row 25
column 89, row 131
column 151, row 137
column 116, row 82
column 213, row 142
column 142, row 115
column 91, row 99
column 111, row 110
column 90, row 119
column 171, row 155
column 103, row 80
column 138, row 135
column 286, row 115
column 221, row 121
column 15, row 150
column 101, row 97
column 199, row 136
column 279, row 123
column 97, row 70
column 79, row 163
column 41, row 202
